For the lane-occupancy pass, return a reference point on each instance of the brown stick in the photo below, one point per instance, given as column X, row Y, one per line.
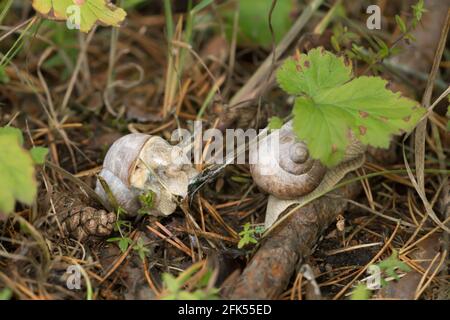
column 269, row 271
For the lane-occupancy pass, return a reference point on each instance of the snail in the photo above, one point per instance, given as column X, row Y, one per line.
column 282, row 167
column 139, row 164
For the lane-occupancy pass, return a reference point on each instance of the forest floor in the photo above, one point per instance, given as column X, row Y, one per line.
column 77, row 93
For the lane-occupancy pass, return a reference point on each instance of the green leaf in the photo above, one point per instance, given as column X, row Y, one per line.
column 141, row 249
column 16, row 172
column 174, row 290
column 122, row 242
column 311, row 122
column 90, row 12
column 146, row 200
column 330, row 106
column 360, row 293
column 200, row 291
column 247, row 236
column 38, row 154
column 418, row 11
column 383, row 51
column 401, row 24
column 275, row 123
column 113, row 239
column 391, row 264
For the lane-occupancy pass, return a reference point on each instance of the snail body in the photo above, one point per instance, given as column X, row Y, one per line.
column 139, row 163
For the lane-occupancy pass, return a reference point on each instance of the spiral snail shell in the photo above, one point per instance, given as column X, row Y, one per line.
column 138, row 163
column 286, row 172
column 282, row 167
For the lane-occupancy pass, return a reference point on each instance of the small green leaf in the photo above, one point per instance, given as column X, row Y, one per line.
column 140, row 248
column 247, row 236
column 16, row 172
column 418, row 11
column 38, row 154
column 147, row 202
column 383, row 51
column 122, row 242
column 174, row 287
column 113, row 239
column 391, row 264
column 275, row 123
column 400, row 23
column 198, row 289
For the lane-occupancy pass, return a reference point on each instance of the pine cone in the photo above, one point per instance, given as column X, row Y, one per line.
column 82, row 221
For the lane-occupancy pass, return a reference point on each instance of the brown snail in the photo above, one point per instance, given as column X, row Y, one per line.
column 282, row 166
column 140, row 163
column 289, row 172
